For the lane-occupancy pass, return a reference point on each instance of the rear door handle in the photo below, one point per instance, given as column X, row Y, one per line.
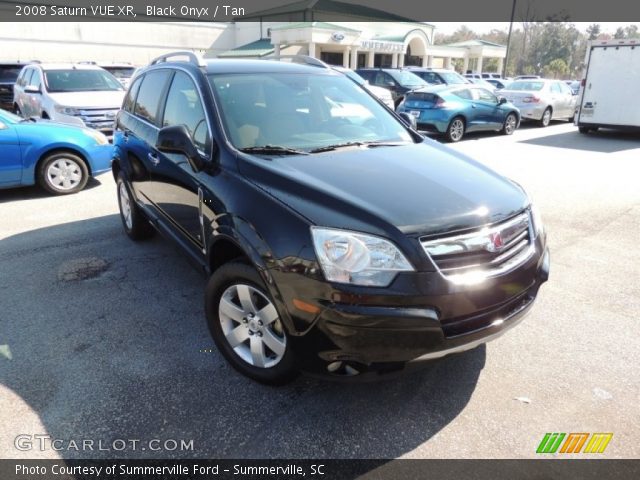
column 153, row 159
column 473, row 105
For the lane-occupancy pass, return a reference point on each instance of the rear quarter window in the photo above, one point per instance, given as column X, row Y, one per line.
column 149, row 95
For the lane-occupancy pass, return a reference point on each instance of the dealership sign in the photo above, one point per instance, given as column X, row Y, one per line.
column 382, row 46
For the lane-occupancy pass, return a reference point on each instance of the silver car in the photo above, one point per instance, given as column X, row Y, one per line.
column 542, row 100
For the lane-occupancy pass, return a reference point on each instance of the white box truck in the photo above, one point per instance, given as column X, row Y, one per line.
column 610, row 90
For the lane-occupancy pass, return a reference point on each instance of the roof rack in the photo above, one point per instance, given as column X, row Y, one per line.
column 303, row 59
column 192, row 58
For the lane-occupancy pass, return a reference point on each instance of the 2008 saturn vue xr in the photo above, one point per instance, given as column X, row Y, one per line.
column 336, row 239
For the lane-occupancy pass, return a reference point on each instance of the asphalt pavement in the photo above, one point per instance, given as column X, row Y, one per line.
column 104, row 340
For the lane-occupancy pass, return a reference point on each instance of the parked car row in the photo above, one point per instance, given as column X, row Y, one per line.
column 87, row 96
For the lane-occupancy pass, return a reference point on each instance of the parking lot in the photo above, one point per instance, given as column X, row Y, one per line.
column 105, row 339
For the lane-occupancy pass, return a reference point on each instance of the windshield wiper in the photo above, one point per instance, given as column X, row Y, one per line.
column 330, row 148
column 273, row 150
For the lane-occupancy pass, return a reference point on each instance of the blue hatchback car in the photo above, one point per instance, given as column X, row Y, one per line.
column 457, row 109
column 60, row 158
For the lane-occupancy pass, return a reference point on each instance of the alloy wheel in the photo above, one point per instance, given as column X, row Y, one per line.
column 125, row 205
column 510, row 124
column 457, row 130
column 251, row 326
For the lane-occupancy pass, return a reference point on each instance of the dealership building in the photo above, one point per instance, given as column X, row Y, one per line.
column 364, row 37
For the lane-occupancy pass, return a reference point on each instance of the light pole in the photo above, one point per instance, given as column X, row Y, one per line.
column 506, row 58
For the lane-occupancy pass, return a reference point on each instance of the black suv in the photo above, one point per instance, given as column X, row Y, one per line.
column 336, row 239
column 9, row 72
column 399, row 82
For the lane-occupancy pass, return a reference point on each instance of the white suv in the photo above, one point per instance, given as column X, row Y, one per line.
column 76, row 94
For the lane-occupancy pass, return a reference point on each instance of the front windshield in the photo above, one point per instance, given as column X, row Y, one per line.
column 121, row 72
column 81, row 80
column 353, row 76
column 526, row 85
column 404, row 77
column 453, row 78
column 301, row 111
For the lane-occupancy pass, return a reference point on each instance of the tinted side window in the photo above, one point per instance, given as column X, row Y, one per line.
column 366, row 74
column 555, row 88
column 27, row 77
column 150, row 94
column 184, row 107
column 130, row 99
column 486, row 96
column 36, row 79
column 20, row 79
column 431, row 77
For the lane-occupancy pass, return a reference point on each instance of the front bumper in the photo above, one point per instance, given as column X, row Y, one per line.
column 424, row 319
column 100, row 157
column 102, row 120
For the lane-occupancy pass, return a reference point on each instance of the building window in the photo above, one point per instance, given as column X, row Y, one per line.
column 382, row 60
column 332, row 58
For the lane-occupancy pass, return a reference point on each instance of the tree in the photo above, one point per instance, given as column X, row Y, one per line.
column 631, row 31
column 619, row 33
column 593, row 31
column 557, row 68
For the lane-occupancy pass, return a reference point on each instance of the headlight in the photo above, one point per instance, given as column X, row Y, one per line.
column 100, row 138
column 66, row 110
column 536, row 219
column 356, row 258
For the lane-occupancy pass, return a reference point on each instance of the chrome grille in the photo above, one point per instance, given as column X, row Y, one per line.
column 6, row 94
column 487, row 252
column 102, row 119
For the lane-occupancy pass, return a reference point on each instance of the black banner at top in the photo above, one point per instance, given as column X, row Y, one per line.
column 319, row 10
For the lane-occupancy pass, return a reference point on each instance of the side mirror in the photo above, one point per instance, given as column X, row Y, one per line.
column 176, row 139
column 502, row 101
column 409, row 120
column 32, row 89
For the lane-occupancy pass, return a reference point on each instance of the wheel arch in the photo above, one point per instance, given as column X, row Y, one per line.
column 44, row 155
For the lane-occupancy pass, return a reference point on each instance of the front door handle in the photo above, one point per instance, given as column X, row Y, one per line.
column 153, row 159
column 473, row 105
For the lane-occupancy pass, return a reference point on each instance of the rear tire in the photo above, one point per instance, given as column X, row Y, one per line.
column 584, row 130
column 135, row 224
column 62, row 173
column 455, row 130
column 546, row 118
column 246, row 326
column 510, row 124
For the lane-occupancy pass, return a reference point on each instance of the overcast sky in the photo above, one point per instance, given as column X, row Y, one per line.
column 484, row 27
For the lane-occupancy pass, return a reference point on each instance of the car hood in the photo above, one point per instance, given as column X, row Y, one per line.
column 423, row 188
column 101, row 99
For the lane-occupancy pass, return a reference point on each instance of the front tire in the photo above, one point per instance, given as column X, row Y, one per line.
column 510, row 124
column 63, row 173
column 546, row 118
column 246, row 326
column 135, row 224
column 455, row 130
